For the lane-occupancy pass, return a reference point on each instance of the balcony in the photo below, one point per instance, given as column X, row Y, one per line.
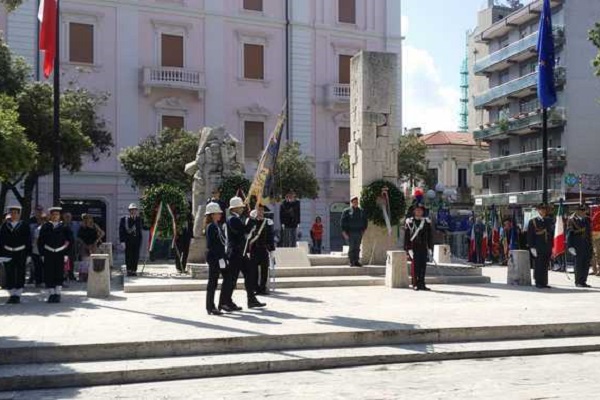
column 520, row 198
column 515, row 89
column 337, row 94
column 172, row 78
column 336, row 172
column 520, row 125
column 520, row 162
column 516, row 52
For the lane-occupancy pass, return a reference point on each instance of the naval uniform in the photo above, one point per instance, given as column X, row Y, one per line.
column 15, row 243
column 260, row 244
column 53, row 243
column 579, row 237
column 418, row 238
column 540, row 238
column 130, row 233
column 216, row 260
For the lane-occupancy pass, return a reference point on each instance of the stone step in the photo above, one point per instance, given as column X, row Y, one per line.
column 327, row 259
column 79, row 374
column 321, row 271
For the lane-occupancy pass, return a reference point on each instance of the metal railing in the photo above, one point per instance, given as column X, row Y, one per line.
column 556, row 157
column 172, row 77
column 533, row 119
column 338, row 93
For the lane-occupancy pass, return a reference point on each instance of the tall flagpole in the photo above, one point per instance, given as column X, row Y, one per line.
column 544, row 155
column 56, row 146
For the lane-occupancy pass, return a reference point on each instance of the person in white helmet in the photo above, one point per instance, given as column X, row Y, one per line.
column 216, row 257
column 15, row 243
column 130, row 236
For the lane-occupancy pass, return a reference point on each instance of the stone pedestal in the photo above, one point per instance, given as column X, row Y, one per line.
column 396, row 274
column 197, row 252
column 304, row 246
column 442, row 254
column 198, row 271
column 98, row 284
column 375, row 245
column 107, row 248
column 519, row 269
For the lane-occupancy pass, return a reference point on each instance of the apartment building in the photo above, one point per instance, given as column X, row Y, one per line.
column 194, row 63
column 505, row 112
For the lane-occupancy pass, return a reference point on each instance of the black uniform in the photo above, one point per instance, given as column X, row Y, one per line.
column 419, row 239
column 289, row 214
column 183, row 243
column 215, row 244
column 540, row 238
column 130, row 233
column 15, row 243
column 53, row 243
column 579, row 236
column 236, row 242
column 260, row 244
column 354, row 222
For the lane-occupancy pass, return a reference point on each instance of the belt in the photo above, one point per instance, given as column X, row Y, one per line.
column 55, row 250
column 14, row 249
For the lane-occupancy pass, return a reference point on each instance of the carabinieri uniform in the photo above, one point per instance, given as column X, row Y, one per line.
column 418, row 239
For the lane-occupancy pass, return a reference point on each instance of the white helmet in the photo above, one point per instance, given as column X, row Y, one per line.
column 213, row 208
column 236, row 202
column 133, row 206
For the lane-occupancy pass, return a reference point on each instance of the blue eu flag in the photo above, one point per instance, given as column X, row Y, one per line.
column 545, row 48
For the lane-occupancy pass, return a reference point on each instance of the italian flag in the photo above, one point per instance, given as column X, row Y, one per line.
column 484, row 243
column 558, row 247
column 48, row 25
column 174, row 221
column 472, row 243
column 154, row 228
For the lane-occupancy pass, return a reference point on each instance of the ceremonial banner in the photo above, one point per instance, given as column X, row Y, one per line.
column 154, row 228
column 558, row 248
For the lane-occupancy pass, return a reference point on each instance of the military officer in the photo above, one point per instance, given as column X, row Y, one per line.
column 15, row 243
column 579, row 240
column 260, row 245
column 130, row 235
column 539, row 240
column 418, row 243
column 53, row 243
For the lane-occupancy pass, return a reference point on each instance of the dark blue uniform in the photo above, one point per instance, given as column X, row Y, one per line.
column 540, row 238
column 236, row 243
column 15, row 243
column 215, row 255
column 579, row 237
column 54, row 243
column 130, row 233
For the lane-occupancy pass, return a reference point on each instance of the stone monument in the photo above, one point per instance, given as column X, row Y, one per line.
column 373, row 144
column 219, row 156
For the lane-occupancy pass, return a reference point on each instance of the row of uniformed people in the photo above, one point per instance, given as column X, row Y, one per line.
column 53, row 244
column 237, row 244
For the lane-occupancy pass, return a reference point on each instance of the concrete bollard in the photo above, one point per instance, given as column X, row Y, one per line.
column 396, row 275
column 442, row 254
column 303, row 246
column 98, row 284
column 519, row 270
column 107, row 248
column 345, row 250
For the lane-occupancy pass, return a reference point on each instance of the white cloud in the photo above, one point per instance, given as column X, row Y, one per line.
column 404, row 25
column 427, row 102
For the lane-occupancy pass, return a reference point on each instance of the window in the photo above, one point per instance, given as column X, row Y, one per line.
column 343, row 140
column 253, row 139
column 528, row 67
column 344, row 69
column 503, row 42
column 347, row 11
column 254, row 5
column 505, row 184
column 462, row 177
column 486, row 182
column 171, row 50
column 81, row 43
column 523, row 184
column 529, row 104
column 432, row 173
column 504, row 147
column 254, row 61
column 504, row 76
column 504, row 112
column 172, row 122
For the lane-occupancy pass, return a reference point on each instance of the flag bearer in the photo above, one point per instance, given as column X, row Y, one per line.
column 418, row 243
column 15, row 243
column 130, row 236
column 579, row 239
column 539, row 240
column 260, row 245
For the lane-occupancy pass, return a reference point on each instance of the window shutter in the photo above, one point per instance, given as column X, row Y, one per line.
column 81, row 43
column 253, row 61
column 347, row 11
column 171, row 51
column 254, row 5
column 344, row 69
column 173, row 122
column 253, row 139
column 343, row 140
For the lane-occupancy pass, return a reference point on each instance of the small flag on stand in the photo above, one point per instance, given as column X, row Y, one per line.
column 558, row 247
column 154, row 228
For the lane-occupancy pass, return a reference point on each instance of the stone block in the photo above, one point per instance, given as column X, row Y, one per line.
column 291, row 257
column 304, row 246
column 107, row 248
column 396, row 274
column 375, row 245
column 98, row 284
column 345, row 250
column 442, row 254
column 198, row 271
column 197, row 252
column 519, row 268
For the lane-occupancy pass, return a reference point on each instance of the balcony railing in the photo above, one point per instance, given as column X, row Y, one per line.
column 520, row 198
column 174, row 78
column 523, row 123
column 502, row 92
column 336, row 172
column 556, row 157
column 337, row 93
column 528, row 43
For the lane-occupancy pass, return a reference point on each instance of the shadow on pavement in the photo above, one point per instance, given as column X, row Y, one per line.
column 286, row 296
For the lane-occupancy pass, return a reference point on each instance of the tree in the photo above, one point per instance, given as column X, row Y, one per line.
column 412, row 164
column 295, row 171
column 11, row 5
column 594, row 36
column 161, row 159
column 230, row 185
column 13, row 71
column 83, row 133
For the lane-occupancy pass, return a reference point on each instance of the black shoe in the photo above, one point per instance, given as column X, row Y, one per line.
column 214, row 311
column 51, row 299
column 57, row 298
column 17, row 300
column 358, row 264
column 11, row 300
column 262, row 292
column 425, row 288
column 583, row 285
column 254, row 303
column 228, row 308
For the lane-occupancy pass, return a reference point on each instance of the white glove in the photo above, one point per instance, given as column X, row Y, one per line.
column 533, row 252
column 430, row 253
column 65, row 258
column 572, row 251
column 411, row 254
column 282, row 226
column 253, row 214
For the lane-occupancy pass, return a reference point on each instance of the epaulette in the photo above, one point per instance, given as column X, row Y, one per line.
column 409, row 220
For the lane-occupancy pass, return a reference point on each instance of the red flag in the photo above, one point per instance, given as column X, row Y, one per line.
column 47, row 17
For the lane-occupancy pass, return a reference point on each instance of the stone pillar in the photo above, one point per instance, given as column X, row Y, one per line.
column 396, row 273
column 197, row 253
column 98, row 284
column 519, row 268
column 107, row 248
column 442, row 254
column 373, row 144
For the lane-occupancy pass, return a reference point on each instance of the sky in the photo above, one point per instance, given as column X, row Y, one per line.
column 434, row 49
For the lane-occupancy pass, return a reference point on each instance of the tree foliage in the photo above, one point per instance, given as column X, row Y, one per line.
column 295, row 171
column 161, row 159
column 412, row 162
column 17, row 154
column 13, row 71
column 230, row 186
column 169, row 195
column 594, row 36
column 11, row 5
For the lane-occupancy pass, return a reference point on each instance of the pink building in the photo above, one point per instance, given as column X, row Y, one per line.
column 195, row 63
